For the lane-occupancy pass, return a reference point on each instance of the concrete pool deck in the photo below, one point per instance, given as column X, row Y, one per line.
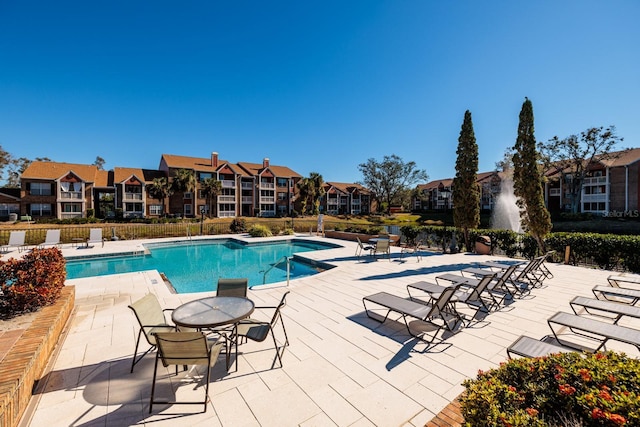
column 341, row 368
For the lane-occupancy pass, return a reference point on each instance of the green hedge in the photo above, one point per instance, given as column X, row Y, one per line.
column 607, row 251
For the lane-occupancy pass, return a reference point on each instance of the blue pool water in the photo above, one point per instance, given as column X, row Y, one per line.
column 196, row 266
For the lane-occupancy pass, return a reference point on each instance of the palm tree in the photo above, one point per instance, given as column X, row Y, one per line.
column 159, row 189
column 305, row 188
column 184, row 181
column 317, row 185
column 211, row 188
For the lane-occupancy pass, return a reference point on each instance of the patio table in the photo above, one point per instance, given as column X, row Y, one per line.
column 212, row 312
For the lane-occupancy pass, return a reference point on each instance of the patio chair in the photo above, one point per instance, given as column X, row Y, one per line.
column 601, row 332
column 257, row 330
column 95, row 236
column 616, row 280
column 530, row 347
column 362, row 248
column 185, row 348
column 51, row 239
column 620, row 295
column 470, row 295
column 151, row 319
column 435, row 314
column 382, row 246
column 16, row 240
column 414, row 249
column 603, row 308
column 232, row 287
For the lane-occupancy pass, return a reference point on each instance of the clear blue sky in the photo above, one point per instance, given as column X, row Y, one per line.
column 314, row 85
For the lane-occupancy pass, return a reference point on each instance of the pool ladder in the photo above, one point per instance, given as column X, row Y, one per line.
column 286, row 259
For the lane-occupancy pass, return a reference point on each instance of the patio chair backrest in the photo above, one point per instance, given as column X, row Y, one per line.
column 232, row 287
column 182, row 348
column 53, row 236
column 476, row 291
column 149, row 314
column 95, row 234
column 504, row 276
column 16, row 238
column 382, row 245
column 441, row 303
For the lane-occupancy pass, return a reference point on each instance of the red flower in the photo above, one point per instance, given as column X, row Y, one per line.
column 617, row 419
column 567, row 389
column 584, row 373
column 532, row 412
column 604, row 394
column 597, row 413
column 512, row 389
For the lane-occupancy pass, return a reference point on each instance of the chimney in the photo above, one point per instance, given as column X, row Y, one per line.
column 214, row 159
column 265, row 162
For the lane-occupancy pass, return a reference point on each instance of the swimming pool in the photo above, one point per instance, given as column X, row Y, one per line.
column 195, row 266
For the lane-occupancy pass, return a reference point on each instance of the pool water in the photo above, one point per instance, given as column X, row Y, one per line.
column 197, row 266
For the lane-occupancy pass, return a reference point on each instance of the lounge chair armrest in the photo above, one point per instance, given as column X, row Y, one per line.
column 266, row 307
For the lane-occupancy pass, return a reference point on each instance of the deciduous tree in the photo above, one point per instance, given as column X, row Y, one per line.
column 574, row 155
column 466, row 192
column 527, row 179
column 390, row 178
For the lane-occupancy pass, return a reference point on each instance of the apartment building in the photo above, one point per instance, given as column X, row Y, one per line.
column 437, row 195
column 248, row 189
column 346, row 198
column 611, row 187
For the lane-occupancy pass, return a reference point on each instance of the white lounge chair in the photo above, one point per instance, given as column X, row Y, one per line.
column 95, row 236
column 16, row 240
column 52, row 239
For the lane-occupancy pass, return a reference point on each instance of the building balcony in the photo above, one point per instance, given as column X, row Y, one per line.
column 132, row 196
column 247, row 185
column 226, row 199
column 227, row 183
column 247, row 199
column 594, row 198
column 267, row 185
column 596, row 180
column 267, row 199
column 69, row 215
column 226, row 214
column 555, row 192
column 71, row 195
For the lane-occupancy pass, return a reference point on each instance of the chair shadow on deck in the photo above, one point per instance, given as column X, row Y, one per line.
column 111, row 384
column 395, row 329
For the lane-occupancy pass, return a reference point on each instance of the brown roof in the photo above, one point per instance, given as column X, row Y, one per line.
column 103, row 179
column 55, row 170
column 626, row 157
column 195, row 163
column 10, row 192
column 279, row 171
column 147, row 175
column 348, row 187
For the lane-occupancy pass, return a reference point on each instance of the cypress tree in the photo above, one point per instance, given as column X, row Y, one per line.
column 527, row 179
column 466, row 192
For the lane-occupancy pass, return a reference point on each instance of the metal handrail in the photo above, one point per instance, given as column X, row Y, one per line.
column 286, row 259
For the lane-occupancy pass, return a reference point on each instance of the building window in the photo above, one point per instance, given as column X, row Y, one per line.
column 203, row 209
column 8, row 208
column 188, row 195
column 40, row 209
column 204, row 175
column 155, row 209
column 282, row 196
column 72, row 208
column 283, row 182
column 187, row 209
column 200, row 194
column 282, row 209
column 133, row 207
column 40, row 189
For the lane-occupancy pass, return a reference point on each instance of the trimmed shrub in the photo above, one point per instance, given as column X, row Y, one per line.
column 32, row 282
column 601, row 389
column 258, row 230
column 238, row 225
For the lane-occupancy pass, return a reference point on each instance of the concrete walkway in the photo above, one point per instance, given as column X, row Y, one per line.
column 341, row 369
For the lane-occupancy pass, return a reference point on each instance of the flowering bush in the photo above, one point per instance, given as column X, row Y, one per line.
column 601, row 389
column 29, row 283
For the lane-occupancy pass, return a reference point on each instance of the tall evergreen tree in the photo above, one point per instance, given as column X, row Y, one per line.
column 527, row 179
column 466, row 192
